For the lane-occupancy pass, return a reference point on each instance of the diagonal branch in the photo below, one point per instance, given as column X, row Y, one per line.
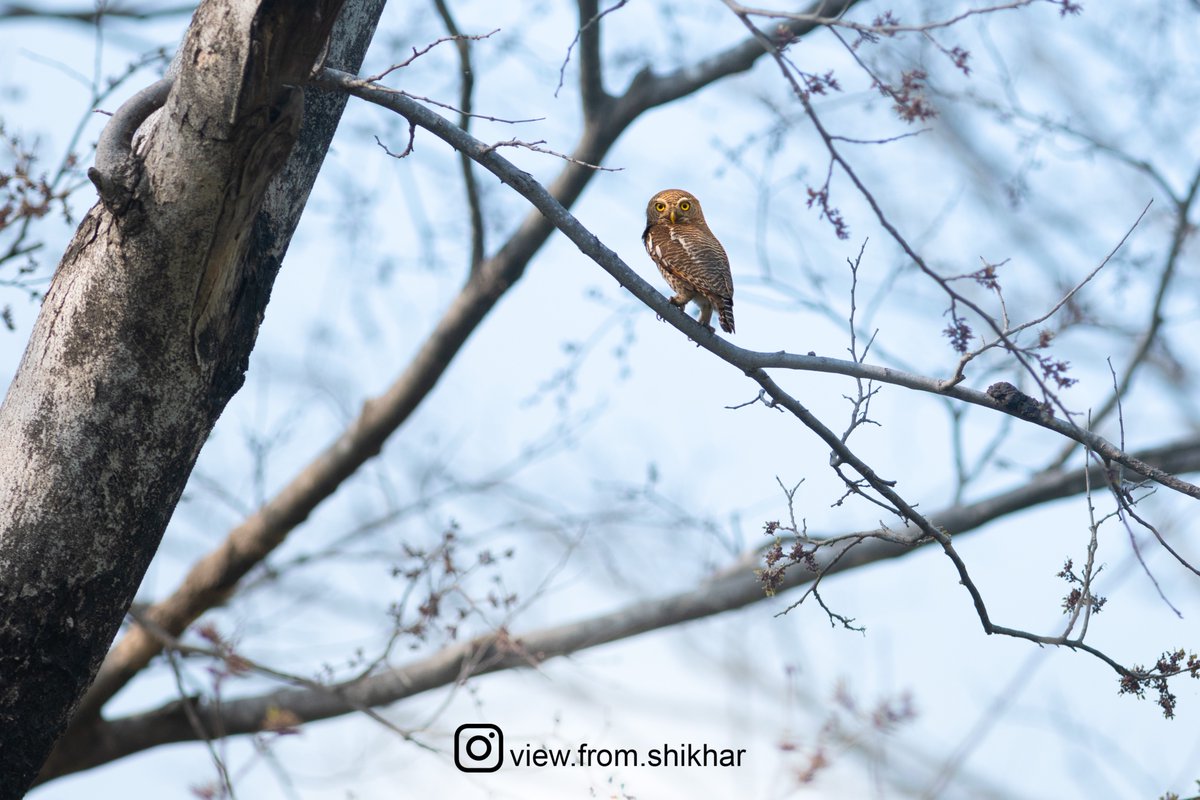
column 734, row 587
column 745, row 360
column 214, row 577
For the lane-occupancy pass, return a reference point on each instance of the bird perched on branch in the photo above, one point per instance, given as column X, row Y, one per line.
column 689, row 256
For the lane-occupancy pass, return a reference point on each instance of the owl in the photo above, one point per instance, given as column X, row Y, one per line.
column 689, row 256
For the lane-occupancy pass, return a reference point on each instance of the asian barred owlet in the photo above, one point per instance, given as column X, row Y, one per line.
column 689, row 256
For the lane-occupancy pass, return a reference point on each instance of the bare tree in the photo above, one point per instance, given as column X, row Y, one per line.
column 146, row 330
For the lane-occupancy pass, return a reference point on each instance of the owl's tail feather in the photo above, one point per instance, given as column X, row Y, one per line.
column 725, row 313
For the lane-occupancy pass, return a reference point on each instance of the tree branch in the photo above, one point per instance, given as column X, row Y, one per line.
column 591, row 76
column 465, row 98
column 744, row 360
column 732, row 588
column 1182, row 231
column 211, row 579
column 93, row 15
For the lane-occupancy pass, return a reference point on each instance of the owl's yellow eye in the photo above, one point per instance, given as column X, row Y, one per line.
column 660, row 207
column 685, row 206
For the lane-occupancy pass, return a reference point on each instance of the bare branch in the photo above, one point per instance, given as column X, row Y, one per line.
column 833, row 19
column 591, row 71
column 447, row 106
column 1007, row 332
column 189, row 709
column 537, row 148
column 412, row 135
column 1182, row 229
column 213, row 577
column 465, row 101
column 885, row 140
column 95, row 14
column 459, row 39
column 732, row 588
column 745, row 360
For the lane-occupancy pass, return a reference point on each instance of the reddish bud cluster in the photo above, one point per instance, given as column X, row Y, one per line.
column 804, row 555
column 883, row 25
column 1076, row 596
column 820, row 84
column 959, row 333
column 22, row 195
column 1056, row 371
column 820, row 197
column 987, row 277
column 960, row 57
column 911, row 104
column 1173, row 662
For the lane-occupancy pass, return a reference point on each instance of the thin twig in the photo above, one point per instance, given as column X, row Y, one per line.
column 592, row 79
column 412, row 135
column 174, row 646
column 537, row 148
column 189, row 709
column 886, row 29
column 417, row 53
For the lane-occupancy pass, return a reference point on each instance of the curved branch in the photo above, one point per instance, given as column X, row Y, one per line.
column 115, row 172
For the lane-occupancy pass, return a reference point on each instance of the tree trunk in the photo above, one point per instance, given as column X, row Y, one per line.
column 144, row 335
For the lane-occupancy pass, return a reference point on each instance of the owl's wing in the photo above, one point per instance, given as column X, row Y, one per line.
column 690, row 254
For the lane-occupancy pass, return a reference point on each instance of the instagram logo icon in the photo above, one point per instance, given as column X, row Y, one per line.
column 478, row 747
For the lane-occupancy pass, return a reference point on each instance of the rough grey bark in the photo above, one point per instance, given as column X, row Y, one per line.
column 143, row 337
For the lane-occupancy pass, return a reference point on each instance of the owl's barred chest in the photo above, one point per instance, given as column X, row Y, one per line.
column 683, row 252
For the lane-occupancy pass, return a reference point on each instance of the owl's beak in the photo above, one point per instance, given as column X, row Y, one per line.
column 672, row 216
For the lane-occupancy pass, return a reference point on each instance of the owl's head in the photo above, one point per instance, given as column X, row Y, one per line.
column 674, row 207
